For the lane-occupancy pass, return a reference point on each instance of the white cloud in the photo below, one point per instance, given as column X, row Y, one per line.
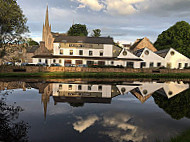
column 113, row 7
column 92, row 4
column 83, row 124
column 122, row 7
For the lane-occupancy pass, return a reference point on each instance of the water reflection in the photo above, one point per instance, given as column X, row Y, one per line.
column 121, row 121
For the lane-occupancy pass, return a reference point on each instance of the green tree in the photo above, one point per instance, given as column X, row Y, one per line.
column 177, row 37
column 96, row 33
column 31, row 42
column 12, row 23
column 177, row 107
column 78, row 30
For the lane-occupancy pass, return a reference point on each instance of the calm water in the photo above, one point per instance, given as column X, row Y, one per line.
column 93, row 110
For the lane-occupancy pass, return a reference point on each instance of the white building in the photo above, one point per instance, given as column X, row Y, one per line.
column 173, row 59
column 80, row 50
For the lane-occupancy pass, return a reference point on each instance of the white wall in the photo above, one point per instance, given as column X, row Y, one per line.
column 106, row 89
column 107, row 51
column 151, row 58
column 176, row 59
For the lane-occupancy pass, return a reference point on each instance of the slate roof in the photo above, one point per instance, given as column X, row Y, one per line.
column 31, row 49
column 82, row 39
column 162, row 53
column 139, row 52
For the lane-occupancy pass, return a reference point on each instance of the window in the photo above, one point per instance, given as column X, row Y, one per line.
column 143, row 64
column 71, row 52
column 112, row 62
column 101, row 63
column 130, row 64
column 125, row 53
column 80, row 52
column 78, row 62
column 90, row 53
column 169, row 65
column 172, row 53
column 186, row 65
column 60, row 86
column 39, row 60
column 89, row 87
column 159, row 64
column 46, row 61
column 170, row 93
column 79, row 87
column 145, row 92
column 179, row 65
column 70, row 87
column 60, row 61
column 54, row 61
column 101, row 53
column 123, row 90
column 100, row 88
column 151, row 64
column 146, row 52
column 61, row 51
column 90, row 63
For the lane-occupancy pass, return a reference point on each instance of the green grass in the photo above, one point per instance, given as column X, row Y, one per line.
column 95, row 75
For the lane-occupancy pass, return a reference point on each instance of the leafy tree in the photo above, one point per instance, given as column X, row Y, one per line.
column 12, row 130
column 12, row 23
column 177, row 107
column 177, row 37
column 31, row 42
column 78, row 30
column 96, row 33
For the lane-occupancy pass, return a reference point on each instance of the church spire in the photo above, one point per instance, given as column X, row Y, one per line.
column 47, row 18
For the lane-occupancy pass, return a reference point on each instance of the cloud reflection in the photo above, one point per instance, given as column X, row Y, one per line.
column 83, row 124
column 121, row 128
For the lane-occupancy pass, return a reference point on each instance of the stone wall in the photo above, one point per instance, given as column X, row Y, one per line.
column 33, row 69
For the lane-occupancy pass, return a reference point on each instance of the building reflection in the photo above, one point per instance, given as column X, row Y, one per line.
column 79, row 93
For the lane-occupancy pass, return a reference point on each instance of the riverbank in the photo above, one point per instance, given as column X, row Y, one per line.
column 95, row 75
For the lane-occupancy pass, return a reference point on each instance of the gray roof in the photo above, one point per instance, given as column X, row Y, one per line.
column 31, row 49
column 82, row 39
column 162, row 53
column 138, row 52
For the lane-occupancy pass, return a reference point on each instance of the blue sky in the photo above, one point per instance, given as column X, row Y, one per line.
column 125, row 20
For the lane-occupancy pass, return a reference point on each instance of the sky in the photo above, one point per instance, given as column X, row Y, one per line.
column 124, row 20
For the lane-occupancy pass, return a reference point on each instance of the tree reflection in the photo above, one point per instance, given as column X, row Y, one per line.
column 11, row 131
column 177, row 107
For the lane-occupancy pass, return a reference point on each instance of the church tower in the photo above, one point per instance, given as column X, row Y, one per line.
column 47, row 36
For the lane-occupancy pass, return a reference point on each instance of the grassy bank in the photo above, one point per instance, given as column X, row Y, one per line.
column 95, row 75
